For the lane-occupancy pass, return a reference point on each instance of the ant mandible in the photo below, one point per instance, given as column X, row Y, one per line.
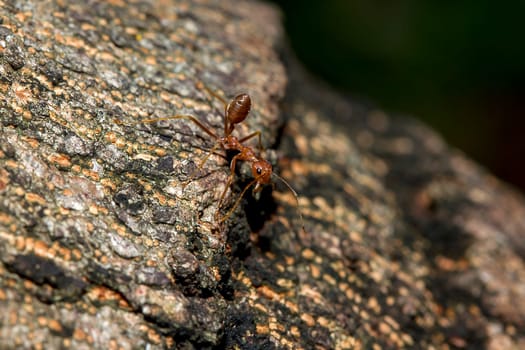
column 235, row 112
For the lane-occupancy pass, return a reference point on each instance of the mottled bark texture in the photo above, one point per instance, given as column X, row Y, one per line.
column 108, row 235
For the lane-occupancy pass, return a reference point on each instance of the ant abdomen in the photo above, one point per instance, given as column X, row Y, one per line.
column 238, row 109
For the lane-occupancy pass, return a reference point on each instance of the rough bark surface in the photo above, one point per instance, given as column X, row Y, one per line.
column 108, row 236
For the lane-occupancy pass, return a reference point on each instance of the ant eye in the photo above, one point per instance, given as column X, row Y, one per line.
column 259, row 171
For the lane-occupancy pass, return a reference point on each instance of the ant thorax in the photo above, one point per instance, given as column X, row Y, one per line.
column 230, row 143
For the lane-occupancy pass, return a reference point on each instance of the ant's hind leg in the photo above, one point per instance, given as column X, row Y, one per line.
column 220, row 98
column 212, row 93
column 174, row 117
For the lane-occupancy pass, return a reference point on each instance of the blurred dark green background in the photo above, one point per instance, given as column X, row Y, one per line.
column 457, row 65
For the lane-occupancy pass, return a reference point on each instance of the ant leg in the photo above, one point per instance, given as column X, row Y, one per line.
column 201, row 164
column 220, row 98
column 199, row 124
column 179, row 116
column 228, row 184
column 230, row 212
column 256, row 133
column 213, row 93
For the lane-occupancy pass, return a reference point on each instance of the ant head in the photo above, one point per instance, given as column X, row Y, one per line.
column 238, row 109
column 262, row 173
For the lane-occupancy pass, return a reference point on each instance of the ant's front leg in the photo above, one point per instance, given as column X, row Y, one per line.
column 228, row 184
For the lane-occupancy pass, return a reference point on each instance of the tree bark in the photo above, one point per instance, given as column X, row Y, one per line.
column 109, row 236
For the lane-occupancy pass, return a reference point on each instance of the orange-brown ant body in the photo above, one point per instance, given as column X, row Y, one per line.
column 235, row 112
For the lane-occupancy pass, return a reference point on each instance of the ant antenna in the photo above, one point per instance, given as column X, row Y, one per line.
column 296, row 198
column 241, row 195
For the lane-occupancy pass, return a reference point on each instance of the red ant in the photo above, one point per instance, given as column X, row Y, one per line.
column 235, row 112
